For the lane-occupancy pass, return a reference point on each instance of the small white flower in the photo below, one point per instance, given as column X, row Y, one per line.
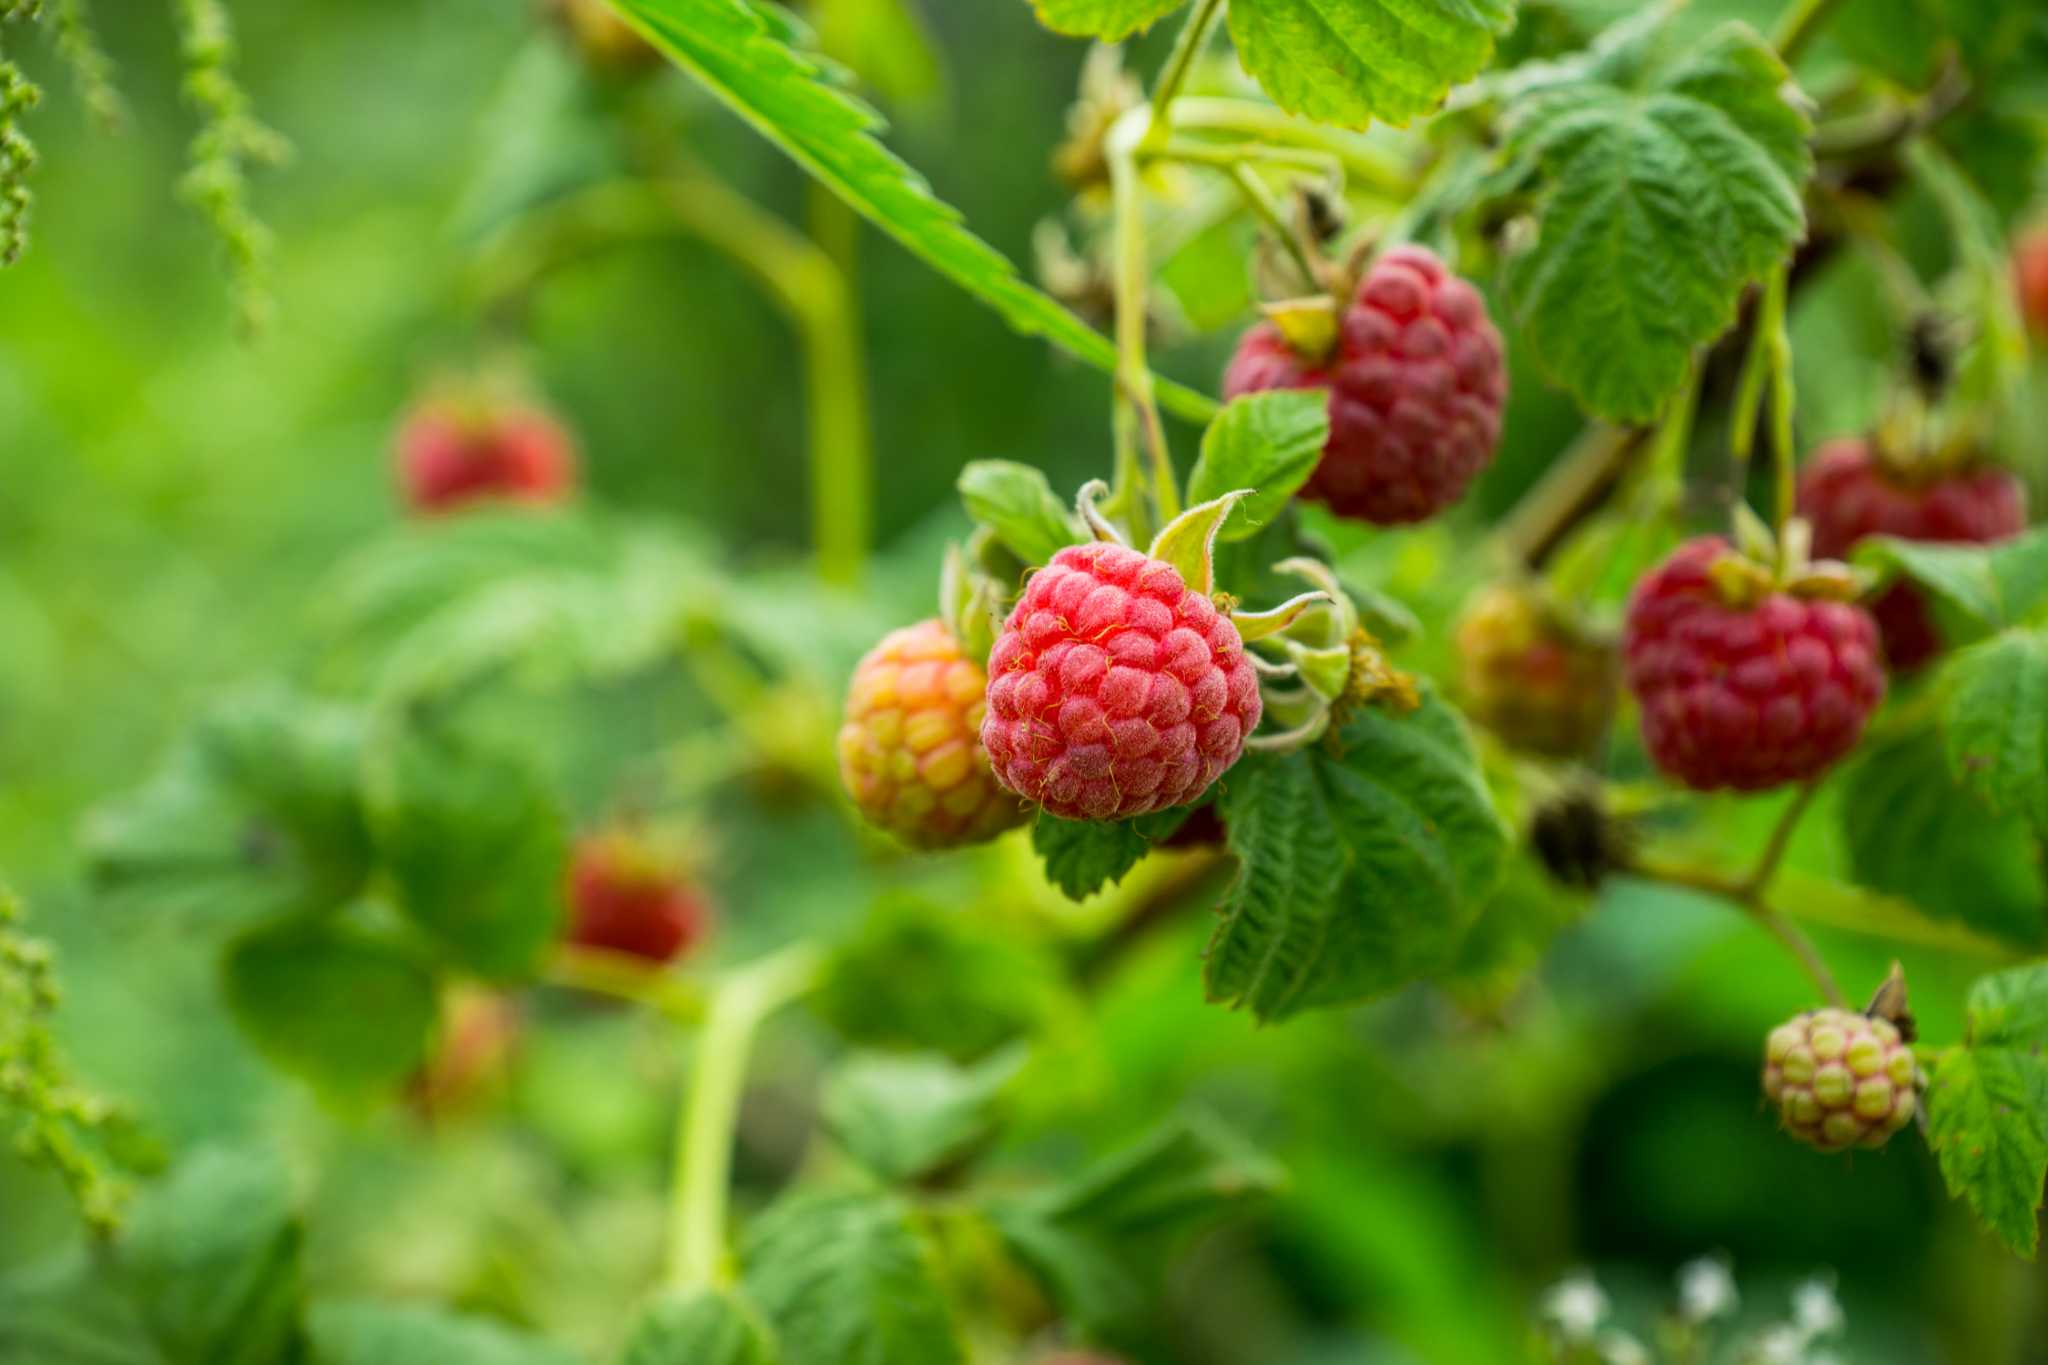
column 1706, row 1290
column 1815, row 1308
column 1780, row 1345
column 1619, row 1348
column 1576, row 1306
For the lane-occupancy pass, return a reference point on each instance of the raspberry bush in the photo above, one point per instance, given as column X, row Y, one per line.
column 813, row 846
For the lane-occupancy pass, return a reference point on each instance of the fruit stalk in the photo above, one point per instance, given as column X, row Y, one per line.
column 704, row 1136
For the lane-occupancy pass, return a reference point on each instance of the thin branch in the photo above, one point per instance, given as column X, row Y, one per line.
column 1194, row 35
column 1799, row 26
column 1781, row 839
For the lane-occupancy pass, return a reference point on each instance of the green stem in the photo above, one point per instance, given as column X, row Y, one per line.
column 801, row 278
column 1800, row 25
column 1193, row 36
column 704, row 1136
column 1752, row 903
column 1263, row 206
column 1227, row 155
column 624, row 977
column 1366, row 165
column 1785, row 458
column 1134, row 374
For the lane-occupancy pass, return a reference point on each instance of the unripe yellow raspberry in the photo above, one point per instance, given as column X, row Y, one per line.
column 910, row 751
column 1538, row 680
column 1841, row 1079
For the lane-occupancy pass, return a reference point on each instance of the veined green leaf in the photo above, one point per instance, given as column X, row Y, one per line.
column 1018, row 504
column 705, row 1328
column 1361, row 869
column 1353, row 61
column 902, row 1117
column 1987, row 1105
column 1661, row 196
column 1267, row 442
column 1912, row 834
column 727, row 46
column 1991, row 586
column 1110, row 20
column 850, row 1279
column 1995, row 721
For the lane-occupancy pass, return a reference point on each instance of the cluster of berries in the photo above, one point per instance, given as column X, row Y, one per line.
column 1114, row 688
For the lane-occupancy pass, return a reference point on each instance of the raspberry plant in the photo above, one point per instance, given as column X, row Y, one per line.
column 1203, row 683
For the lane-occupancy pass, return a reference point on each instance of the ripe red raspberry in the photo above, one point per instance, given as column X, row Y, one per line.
column 1114, row 689
column 1840, row 1079
column 1416, row 386
column 626, row 898
column 452, row 453
column 1532, row 676
column 1848, row 494
column 2030, row 276
column 1745, row 696
column 910, row 750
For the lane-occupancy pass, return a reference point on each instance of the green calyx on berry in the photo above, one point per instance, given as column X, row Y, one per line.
column 1335, row 663
column 1762, row 563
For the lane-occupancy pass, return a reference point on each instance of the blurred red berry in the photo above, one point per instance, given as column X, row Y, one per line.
column 451, row 454
column 1746, row 696
column 1115, row 689
column 626, row 898
column 1416, row 386
column 1847, row 493
column 2030, row 275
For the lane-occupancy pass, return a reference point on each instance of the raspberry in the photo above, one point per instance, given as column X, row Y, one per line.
column 1416, row 386
column 1114, row 689
column 2030, row 275
column 910, row 750
column 1747, row 697
column 626, row 898
column 1848, row 494
column 1532, row 676
column 1840, row 1079
column 452, row 453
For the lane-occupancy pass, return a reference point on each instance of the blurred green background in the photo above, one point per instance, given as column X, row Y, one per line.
column 174, row 502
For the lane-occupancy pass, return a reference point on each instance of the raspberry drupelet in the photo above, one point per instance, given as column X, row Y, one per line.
column 1416, row 385
column 1114, row 689
column 1745, row 696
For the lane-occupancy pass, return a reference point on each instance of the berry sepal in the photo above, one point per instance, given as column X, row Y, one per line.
column 1762, row 563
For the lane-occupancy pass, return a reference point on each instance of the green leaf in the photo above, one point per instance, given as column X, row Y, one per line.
column 393, row 1334
column 706, row 1328
column 1995, row 719
column 351, row 1014
column 211, row 1260
column 926, row 978
column 63, row 1311
column 255, row 814
column 1987, row 1105
column 1015, row 501
column 1110, row 20
column 1187, row 1169
column 1661, row 195
column 850, row 1279
column 1361, row 869
column 1083, row 856
column 1087, row 1238
column 1267, row 442
column 1990, row 586
column 1911, row 833
column 903, row 1117
column 559, row 595
column 725, row 45
column 474, row 843
column 1353, row 61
